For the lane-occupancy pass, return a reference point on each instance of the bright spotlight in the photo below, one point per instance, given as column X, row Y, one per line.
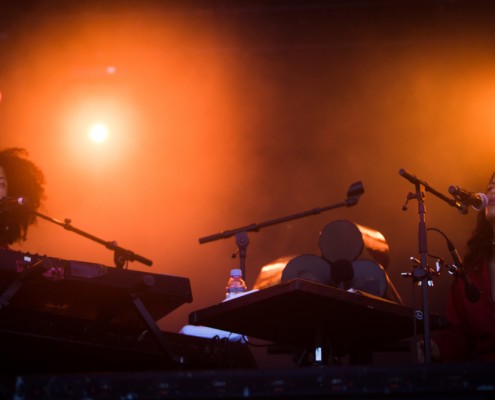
column 98, row 133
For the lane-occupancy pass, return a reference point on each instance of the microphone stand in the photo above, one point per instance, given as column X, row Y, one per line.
column 121, row 255
column 242, row 240
column 421, row 272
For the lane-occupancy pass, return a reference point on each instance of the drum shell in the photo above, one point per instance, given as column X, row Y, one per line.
column 304, row 266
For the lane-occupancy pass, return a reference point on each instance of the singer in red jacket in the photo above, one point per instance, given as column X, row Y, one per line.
column 471, row 306
column 19, row 178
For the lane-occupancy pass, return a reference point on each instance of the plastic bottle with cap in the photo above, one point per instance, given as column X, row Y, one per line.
column 235, row 284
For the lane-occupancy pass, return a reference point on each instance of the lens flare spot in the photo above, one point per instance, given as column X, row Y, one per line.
column 98, row 133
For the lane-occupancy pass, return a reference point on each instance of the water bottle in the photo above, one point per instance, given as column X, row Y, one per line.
column 236, row 284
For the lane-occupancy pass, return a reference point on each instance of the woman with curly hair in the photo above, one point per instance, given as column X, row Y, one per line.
column 19, row 177
column 470, row 310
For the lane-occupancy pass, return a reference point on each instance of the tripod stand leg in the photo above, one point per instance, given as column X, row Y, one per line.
column 164, row 344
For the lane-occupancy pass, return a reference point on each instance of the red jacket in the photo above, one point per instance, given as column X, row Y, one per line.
column 471, row 332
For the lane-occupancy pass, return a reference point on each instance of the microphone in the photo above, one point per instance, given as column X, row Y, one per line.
column 477, row 200
column 12, row 202
column 472, row 293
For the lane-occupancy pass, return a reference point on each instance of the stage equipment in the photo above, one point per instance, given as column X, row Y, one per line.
column 67, row 316
column 309, row 315
column 305, row 266
column 47, row 344
column 364, row 275
column 457, row 269
column 9, row 203
column 400, row 382
column 421, row 272
column 43, row 296
column 85, row 290
column 353, row 194
column 476, row 200
column 342, row 239
column 121, row 256
column 370, row 277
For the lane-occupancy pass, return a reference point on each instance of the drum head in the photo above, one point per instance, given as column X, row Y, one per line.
column 339, row 240
column 369, row 277
column 345, row 240
column 307, row 266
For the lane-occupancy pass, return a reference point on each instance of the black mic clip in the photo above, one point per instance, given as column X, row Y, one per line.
column 452, row 269
column 418, row 273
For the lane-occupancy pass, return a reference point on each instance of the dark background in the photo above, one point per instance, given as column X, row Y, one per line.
column 227, row 113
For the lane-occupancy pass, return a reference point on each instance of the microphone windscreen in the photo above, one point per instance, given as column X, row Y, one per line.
column 484, row 202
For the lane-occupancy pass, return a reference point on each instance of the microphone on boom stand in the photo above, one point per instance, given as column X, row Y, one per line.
column 476, row 200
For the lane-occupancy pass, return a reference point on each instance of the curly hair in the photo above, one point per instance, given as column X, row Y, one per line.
column 480, row 245
column 24, row 179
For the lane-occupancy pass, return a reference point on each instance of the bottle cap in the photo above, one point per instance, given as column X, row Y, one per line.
column 235, row 272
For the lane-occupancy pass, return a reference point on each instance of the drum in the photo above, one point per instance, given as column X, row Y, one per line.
column 369, row 277
column 346, row 240
column 304, row 266
column 363, row 275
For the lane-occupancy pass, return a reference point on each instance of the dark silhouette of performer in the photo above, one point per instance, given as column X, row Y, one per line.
column 470, row 310
column 21, row 192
